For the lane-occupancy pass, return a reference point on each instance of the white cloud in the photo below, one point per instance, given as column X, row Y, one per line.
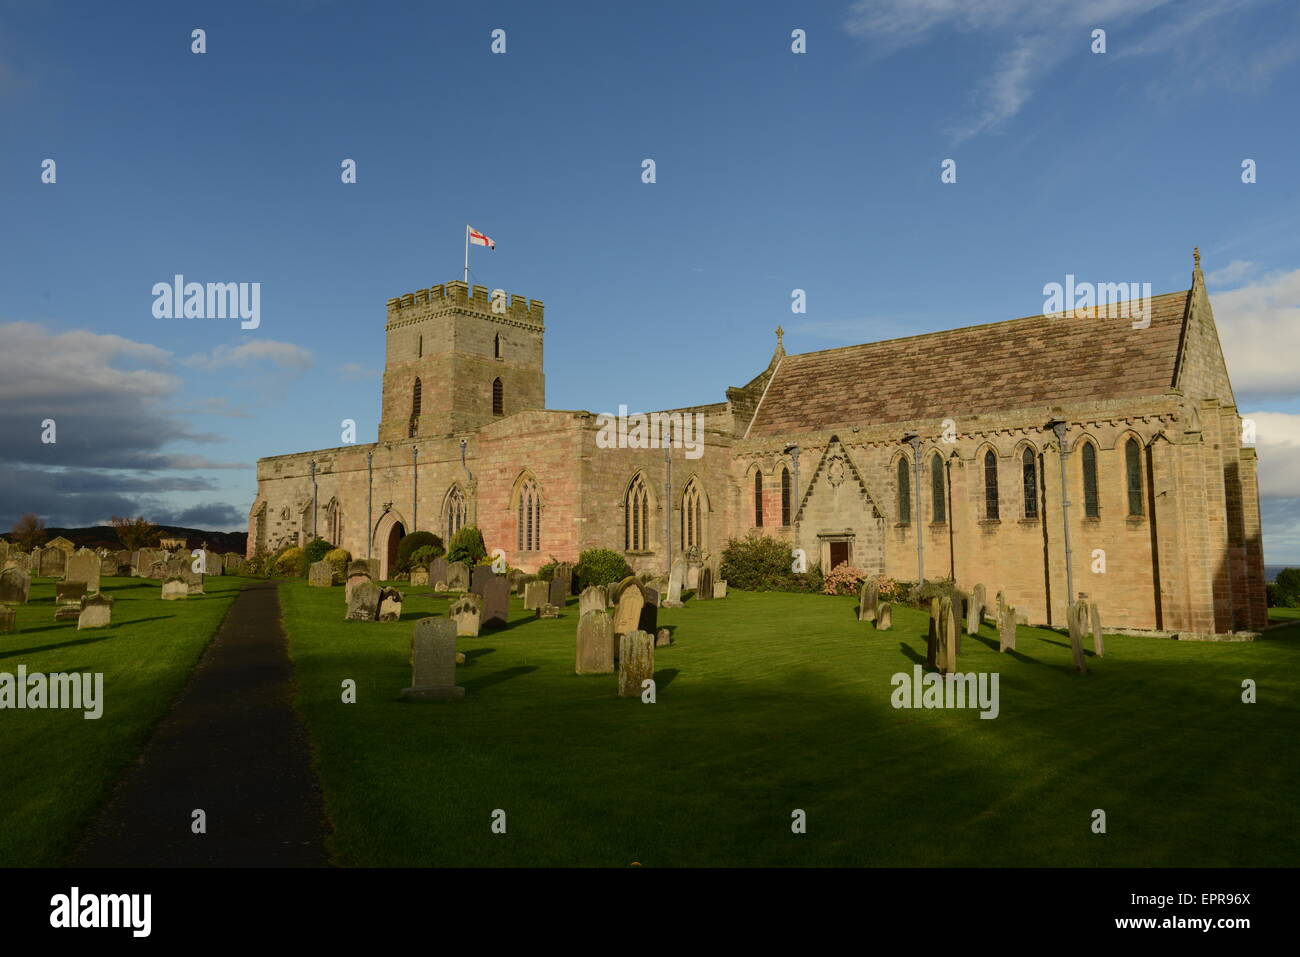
column 1277, row 441
column 285, row 355
column 1231, row 274
column 77, row 362
column 356, row 372
column 1259, row 327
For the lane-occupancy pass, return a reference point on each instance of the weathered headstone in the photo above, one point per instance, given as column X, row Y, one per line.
column 627, row 613
column 193, row 580
column 467, row 613
column 948, row 632
column 704, row 588
column 522, row 583
column 593, row 598
column 358, row 574
column 975, row 609
column 174, row 589
column 15, row 585
column 320, row 574
column 513, row 577
column 96, row 612
column 595, row 654
column 663, row 638
column 438, row 571
column 458, row 577
column 536, row 594
column 1076, row 615
column 419, row 577
column 390, row 604
column 932, row 639
column 720, row 589
column 363, row 602
column 69, row 593
column 479, row 578
column 548, row 611
column 433, row 661
column 1094, row 619
column 636, row 662
column 868, row 597
column 676, row 576
column 884, row 616
column 53, row 562
column 1007, row 628
column 8, row 620
column 440, row 586
column 561, row 586
column 496, row 602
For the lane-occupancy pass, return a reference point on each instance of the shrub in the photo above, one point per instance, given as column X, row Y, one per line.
column 761, row 563
column 938, row 588
column 467, row 546
column 339, row 558
column 844, row 579
column 547, row 571
column 290, row 562
column 315, row 551
column 409, row 543
column 1286, row 588
column 600, row 566
column 423, row 555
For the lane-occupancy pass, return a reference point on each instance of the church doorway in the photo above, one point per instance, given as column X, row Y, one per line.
column 839, row 553
column 395, row 535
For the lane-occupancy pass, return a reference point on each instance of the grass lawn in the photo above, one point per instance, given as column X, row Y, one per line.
column 772, row 702
column 58, row 766
column 1284, row 614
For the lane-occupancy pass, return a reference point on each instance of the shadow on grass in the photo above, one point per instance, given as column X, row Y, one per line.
column 62, row 644
column 471, row 656
column 664, row 677
column 478, row 684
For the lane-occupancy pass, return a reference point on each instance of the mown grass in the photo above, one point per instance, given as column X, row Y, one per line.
column 769, row 703
column 58, row 767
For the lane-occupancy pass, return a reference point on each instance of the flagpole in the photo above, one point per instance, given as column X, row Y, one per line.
column 467, row 254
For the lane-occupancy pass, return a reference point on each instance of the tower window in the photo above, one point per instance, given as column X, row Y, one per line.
column 415, row 411
column 419, row 348
column 498, row 397
column 496, row 346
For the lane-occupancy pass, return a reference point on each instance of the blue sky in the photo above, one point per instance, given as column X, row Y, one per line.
column 775, row 171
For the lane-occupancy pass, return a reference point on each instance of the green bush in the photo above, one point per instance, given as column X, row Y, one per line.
column 339, row 558
column 600, row 566
column 1286, row 589
column 759, row 562
column 467, row 546
column 290, row 562
column 937, row 588
column 407, row 547
column 423, row 555
column 315, row 551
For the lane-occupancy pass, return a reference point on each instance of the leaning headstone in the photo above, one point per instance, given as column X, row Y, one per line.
column 975, row 610
column 720, row 589
column 174, row 589
column 1076, row 615
column 96, row 612
column 676, row 576
column 496, row 602
column 884, row 616
column 363, row 602
column 458, row 577
column 627, row 613
column 52, row 563
column 535, row 595
column 593, row 598
column 704, row 587
column 1007, row 628
column 479, row 578
column 320, row 575
column 948, row 632
column 663, row 638
column 1094, row 619
column 932, row 639
column 467, row 613
column 438, row 571
column 433, row 661
column 868, row 597
column 636, row 662
column 390, row 604
column 595, row 654
column 419, row 577
column 8, row 620
column 15, row 585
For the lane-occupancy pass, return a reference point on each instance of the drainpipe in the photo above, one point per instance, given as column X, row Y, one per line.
column 1058, row 426
column 415, row 489
column 370, row 502
column 313, row 499
column 668, row 505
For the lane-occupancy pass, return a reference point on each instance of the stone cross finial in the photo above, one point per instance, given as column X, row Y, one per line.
column 1196, row 256
column 779, row 333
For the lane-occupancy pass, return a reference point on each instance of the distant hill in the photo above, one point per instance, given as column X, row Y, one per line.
column 105, row 536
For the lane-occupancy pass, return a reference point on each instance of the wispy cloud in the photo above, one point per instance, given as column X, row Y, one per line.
column 285, row 355
column 1259, row 326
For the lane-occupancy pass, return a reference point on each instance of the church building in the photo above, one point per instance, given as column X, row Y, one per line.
column 1046, row 457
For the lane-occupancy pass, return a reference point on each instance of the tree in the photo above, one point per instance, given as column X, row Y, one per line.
column 1287, row 587
column 136, row 533
column 29, row 531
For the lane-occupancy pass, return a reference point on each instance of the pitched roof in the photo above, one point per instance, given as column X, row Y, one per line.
column 1017, row 364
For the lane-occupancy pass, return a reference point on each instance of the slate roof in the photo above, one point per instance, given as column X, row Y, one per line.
column 1017, row 364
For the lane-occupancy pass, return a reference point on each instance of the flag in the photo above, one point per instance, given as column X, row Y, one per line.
column 478, row 239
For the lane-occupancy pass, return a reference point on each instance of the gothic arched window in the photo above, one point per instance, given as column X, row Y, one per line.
column 1091, row 507
column 636, row 507
column 1029, row 480
column 758, row 499
column 415, row 409
column 455, row 512
column 692, row 533
column 1133, row 472
column 904, row 493
column 498, row 397
column 496, row 346
column 936, row 489
column 529, row 535
column 785, row 496
column 991, row 486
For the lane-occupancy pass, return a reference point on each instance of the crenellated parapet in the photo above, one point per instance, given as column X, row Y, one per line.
column 458, row 295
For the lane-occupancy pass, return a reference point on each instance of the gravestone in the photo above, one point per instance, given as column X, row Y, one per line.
column 975, row 610
column 467, row 613
column 1007, row 628
column 479, row 578
column 496, row 602
column 948, row 632
column 513, row 578
column 932, row 639
column 548, row 611
column 96, row 612
column 174, row 589
column 1094, row 619
column 15, row 585
column 704, row 588
column 560, row 586
column 69, row 593
column 120, row 562
column 1076, row 615
column 652, row 596
column 676, row 576
column 663, row 638
column 390, row 604
column 458, row 577
column 593, row 598
column 649, row 620
column 595, row 654
column 535, row 595
column 1001, row 603
column 192, row 579
column 53, row 562
column 884, row 616
column 358, row 574
column 440, row 586
column 522, row 583
column 419, row 577
column 433, row 661
column 627, row 611
column 636, row 662
column 720, row 589
column 868, row 597
column 8, row 620
column 231, row 563
column 320, row 575
column 212, row 563
column 363, row 602
column 158, row 570
column 438, row 571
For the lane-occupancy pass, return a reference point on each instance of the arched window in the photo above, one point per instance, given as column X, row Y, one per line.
column 939, row 504
column 529, row 533
column 498, row 397
column 785, row 496
column 1133, row 469
column 758, row 499
column 636, row 526
column 991, row 486
column 692, row 534
column 496, row 346
column 1029, row 480
column 904, row 493
column 455, row 512
column 334, row 523
column 415, row 410
column 1091, row 507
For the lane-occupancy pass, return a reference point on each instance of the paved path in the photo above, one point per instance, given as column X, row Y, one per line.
column 233, row 746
